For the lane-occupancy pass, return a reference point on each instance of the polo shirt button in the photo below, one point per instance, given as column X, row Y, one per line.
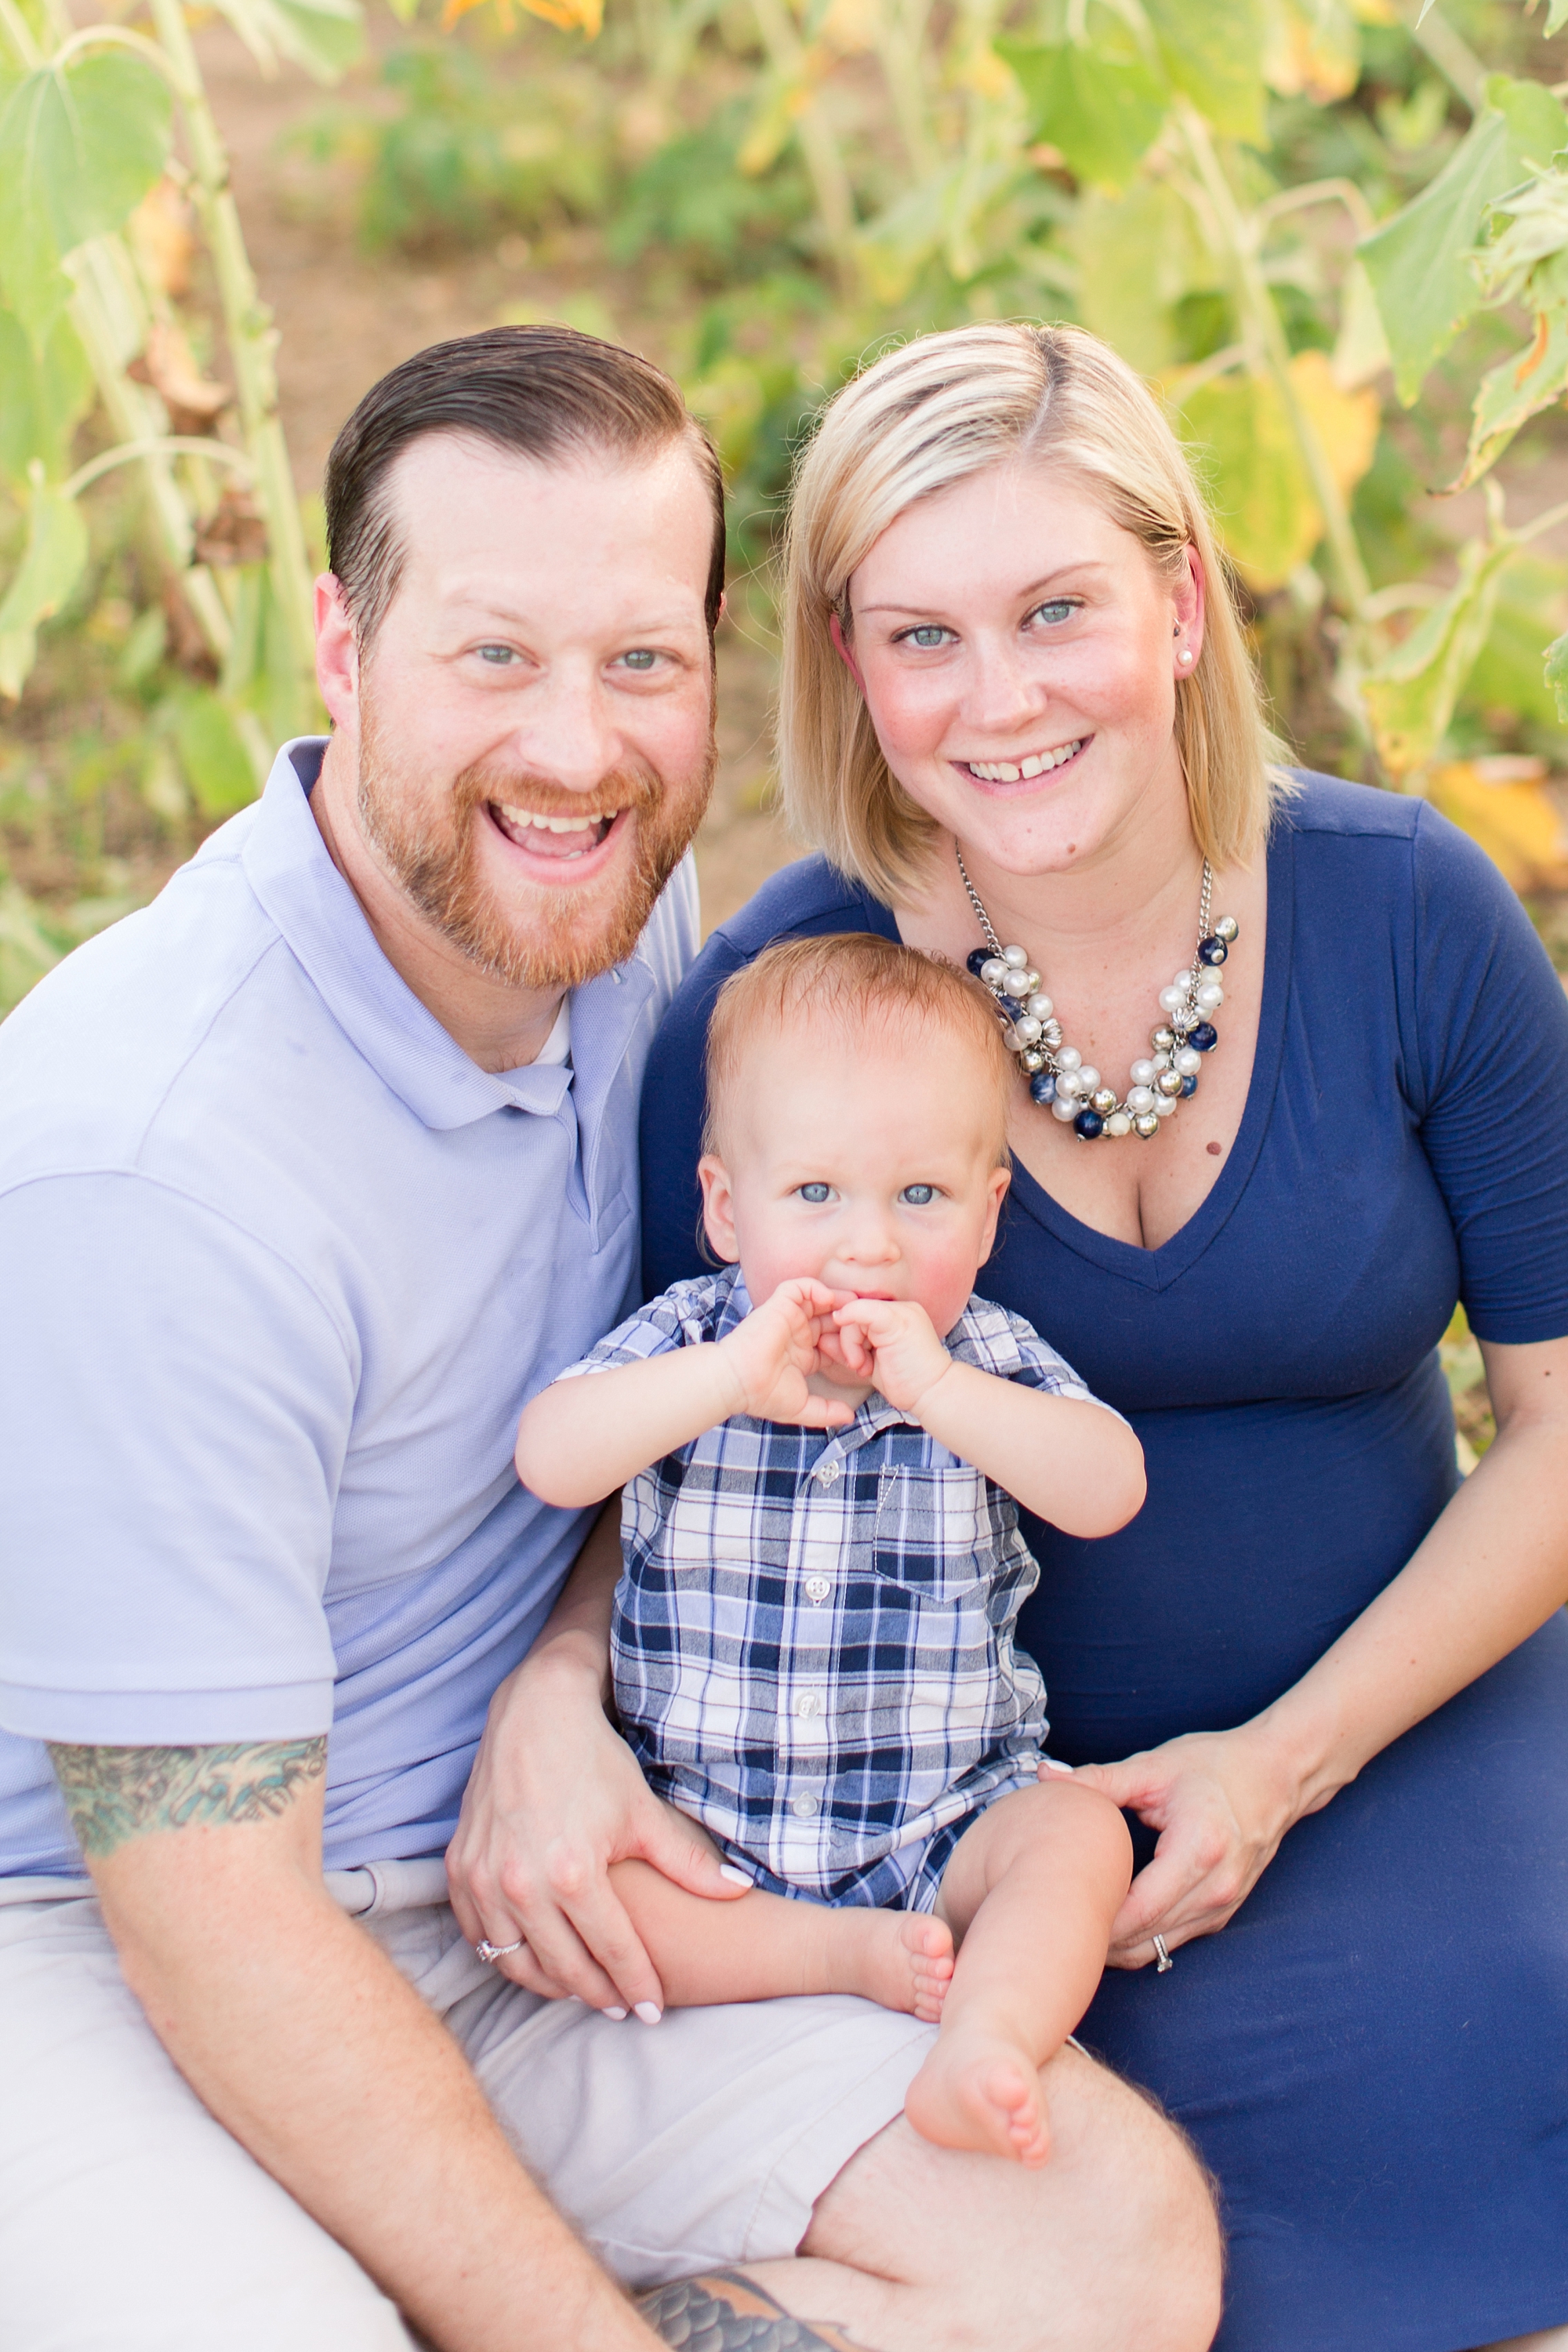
column 808, row 1702
column 817, row 1588
column 804, row 1809
column 827, row 1473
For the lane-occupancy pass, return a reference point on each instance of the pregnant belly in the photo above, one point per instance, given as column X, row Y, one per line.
column 1268, row 1528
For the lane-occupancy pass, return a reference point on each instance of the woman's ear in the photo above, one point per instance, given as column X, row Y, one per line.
column 1189, row 602
column 719, row 1207
column 841, row 646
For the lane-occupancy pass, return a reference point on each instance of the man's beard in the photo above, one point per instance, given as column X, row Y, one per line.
column 560, row 936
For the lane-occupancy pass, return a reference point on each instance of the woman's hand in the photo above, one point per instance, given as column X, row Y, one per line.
column 1221, row 1800
column 554, row 1798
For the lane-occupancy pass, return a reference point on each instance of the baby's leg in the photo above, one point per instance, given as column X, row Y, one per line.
column 1031, row 1892
column 765, row 1947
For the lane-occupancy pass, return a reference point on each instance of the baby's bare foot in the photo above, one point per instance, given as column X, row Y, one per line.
column 901, row 1958
column 979, row 2091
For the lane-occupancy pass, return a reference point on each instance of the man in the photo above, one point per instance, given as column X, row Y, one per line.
column 311, row 1175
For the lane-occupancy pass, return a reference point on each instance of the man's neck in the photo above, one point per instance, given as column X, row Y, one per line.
column 497, row 1026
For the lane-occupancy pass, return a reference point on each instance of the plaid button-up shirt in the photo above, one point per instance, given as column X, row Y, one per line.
column 813, row 1637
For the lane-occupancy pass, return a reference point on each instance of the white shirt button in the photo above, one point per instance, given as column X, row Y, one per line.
column 804, row 1809
column 817, row 1588
column 825, row 1473
column 808, row 1702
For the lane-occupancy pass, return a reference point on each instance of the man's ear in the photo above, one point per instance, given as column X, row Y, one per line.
column 1000, row 1179
column 719, row 1207
column 841, row 646
column 337, row 652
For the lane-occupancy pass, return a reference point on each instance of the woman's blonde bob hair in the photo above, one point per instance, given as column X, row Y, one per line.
column 925, row 415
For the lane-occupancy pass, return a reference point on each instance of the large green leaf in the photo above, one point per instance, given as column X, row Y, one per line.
column 43, row 397
column 1136, row 256
column 52, row 563
column 1213, row 50
column 1410, row 697
column 211, row 754
column 1251, row 460
column 1103, row 112
column 78, row 150
column 1418, row 261
column 1511, row 394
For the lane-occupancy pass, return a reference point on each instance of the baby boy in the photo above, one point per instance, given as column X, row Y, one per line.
column 822, row 1446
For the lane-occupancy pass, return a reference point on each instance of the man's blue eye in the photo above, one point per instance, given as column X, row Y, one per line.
column 918, row 1196
column 640, row 658
column 495, row 655
column 815, row 1193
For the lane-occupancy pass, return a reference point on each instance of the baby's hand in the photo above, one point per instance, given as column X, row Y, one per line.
column 776, row 1351
column 892, row 1344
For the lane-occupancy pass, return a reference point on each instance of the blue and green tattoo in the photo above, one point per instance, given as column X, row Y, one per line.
column 114, row 1794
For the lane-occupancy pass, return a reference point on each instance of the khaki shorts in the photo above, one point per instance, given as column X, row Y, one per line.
column 131, row 2220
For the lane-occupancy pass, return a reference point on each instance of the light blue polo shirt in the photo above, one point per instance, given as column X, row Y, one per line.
column 280, row 1267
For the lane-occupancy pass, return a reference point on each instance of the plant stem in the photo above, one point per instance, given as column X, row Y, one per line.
column 1259, row 311
column 830, row 180
column 180, row 444
column 249, row 324
column 1454, row 57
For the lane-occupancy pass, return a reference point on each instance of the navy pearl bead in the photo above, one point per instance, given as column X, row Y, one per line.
column 1206, row 1036
column 1212, row 951
column 1088, row 1124
column 1189, row 1086
column 1043, row 1086
column 979, row 959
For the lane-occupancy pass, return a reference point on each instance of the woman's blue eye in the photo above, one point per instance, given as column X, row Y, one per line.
column 815, row 1193
column 1060, row 608
column 918, row 1196
column 928, row 636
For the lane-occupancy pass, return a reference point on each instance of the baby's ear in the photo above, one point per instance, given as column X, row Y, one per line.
column 997, row 1188
column 718, row 1207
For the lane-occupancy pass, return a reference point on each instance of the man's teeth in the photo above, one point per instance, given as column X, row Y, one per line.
column 1038, row 763
column 523, row 817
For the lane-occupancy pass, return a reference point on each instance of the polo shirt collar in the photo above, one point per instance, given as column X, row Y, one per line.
column 291, row 870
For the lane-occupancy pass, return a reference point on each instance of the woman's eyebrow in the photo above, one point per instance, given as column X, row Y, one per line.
column 1036, row 588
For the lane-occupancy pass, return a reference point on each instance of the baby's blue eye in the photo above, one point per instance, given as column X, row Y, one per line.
column 918, row 1196
column 815, row 1193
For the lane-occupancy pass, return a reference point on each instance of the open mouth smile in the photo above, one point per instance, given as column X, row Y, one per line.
column 560, row 838
column 1013, row 772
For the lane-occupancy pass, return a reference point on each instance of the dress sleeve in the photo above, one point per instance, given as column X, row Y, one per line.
column 175, row 1402
column 1487, row 1076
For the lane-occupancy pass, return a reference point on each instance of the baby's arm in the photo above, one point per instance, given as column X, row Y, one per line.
column 1064, row 1458
column 581, row 1438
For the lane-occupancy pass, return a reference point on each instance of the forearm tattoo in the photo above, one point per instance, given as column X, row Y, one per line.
column 113, row 1794
column 722, row 2311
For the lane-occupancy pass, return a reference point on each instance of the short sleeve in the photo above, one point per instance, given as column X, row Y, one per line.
column 174, row 1408
column 681, row 1318
column 1488, row 1077
column 996, row 1341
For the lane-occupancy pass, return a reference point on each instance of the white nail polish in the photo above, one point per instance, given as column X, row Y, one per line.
column 736, row 1877
column 648, row 2012
column 618, row 2015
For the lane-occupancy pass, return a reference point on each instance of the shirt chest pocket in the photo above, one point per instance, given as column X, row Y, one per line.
column 934, row 1534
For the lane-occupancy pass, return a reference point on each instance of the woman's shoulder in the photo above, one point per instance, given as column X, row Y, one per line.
column 804, row 898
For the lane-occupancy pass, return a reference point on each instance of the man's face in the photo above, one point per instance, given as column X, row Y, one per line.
column 535, row 713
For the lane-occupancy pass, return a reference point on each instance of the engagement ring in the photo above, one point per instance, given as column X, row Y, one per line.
column 489, row 1953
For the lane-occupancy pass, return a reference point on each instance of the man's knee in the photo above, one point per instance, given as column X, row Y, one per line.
column 1168, row 2263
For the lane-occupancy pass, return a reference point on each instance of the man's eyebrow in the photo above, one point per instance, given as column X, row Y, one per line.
column 1035, row 588
column 466, row 597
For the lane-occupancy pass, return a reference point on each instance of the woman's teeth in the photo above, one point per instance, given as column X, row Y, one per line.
column 1038, row 763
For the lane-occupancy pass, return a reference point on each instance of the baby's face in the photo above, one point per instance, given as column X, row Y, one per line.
column 869, row 1163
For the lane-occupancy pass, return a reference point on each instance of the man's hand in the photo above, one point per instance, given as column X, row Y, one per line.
column 893, row 1344
column 772, row 1356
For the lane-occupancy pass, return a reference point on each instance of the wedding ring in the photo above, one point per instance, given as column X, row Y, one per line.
column 489, row 1953
column 1161, row 1956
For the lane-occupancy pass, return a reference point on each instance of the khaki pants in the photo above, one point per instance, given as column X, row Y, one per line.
column 132, row 2222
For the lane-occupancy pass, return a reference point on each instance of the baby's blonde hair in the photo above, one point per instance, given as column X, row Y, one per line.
column 929, row 415
column 855, row 983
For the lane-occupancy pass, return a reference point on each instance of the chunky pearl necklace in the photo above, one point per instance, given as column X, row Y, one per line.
column 1058, row 1074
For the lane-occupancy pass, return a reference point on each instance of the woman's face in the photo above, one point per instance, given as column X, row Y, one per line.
column 1018, row 653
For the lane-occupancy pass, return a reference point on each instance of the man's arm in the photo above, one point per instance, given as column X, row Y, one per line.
column 304, row 2041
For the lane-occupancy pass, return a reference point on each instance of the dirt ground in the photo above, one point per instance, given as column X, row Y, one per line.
column 344, row 318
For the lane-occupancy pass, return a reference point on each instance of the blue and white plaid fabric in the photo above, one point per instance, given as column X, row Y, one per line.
column 812, row 1636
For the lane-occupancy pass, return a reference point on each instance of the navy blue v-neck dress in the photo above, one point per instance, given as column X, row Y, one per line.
column 1374, row 2056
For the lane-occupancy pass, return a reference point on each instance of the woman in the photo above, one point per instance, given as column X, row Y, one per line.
column 1017, row 708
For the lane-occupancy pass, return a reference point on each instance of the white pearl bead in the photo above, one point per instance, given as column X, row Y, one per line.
column 1017, row 983
column 1067, row 1083
column 1069, row 1058
column 1064, row 1108
column 1142, row 1098
column 1118, row 1123
column 994, row 972
column 1088, row 1077
column 1188, row 1061
column 1017, row 958
column 1141, row 1074
column 1164, row 1105
column 1010, row 1037
column 1027, row 1030
column 1033, row 977
column 1183, row 979
column 1211, row 996
column 1172, row 999
column 1041, row 1007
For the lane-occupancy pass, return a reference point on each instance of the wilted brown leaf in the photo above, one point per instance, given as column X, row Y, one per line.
column 1503, row 804
column 233, row 534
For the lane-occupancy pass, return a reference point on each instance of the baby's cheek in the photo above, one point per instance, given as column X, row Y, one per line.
column 945, row 1283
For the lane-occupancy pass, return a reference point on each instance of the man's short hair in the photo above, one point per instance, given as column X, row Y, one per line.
column 545, row 392
column 855, row 983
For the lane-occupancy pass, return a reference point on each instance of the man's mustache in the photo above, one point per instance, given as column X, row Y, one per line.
column 498, row 781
